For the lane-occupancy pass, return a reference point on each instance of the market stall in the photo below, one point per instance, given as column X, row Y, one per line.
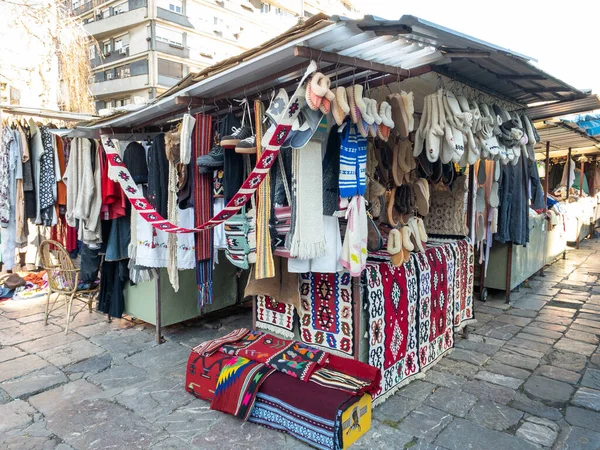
column 352, row 171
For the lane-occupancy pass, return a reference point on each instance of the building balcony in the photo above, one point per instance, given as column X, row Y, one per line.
column 105, row 26
column 172, row 49
column 119, row 85
column 112, row 57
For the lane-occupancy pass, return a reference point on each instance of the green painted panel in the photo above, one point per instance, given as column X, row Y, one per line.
column 182, row 305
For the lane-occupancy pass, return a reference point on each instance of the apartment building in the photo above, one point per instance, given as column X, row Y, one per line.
column 143, row 47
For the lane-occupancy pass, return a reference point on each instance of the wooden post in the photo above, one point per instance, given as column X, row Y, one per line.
column 470, row 208
column 356, row 311
column 547, row 169
column 158, row 310
column 509, row 270
column 568, row 172
column 581, row 178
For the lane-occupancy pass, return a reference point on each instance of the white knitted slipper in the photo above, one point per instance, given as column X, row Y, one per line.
column 406, row 239
column 340, row 107
column 394, row 247
column 422, row 231
column 421, row 132
column 362, row 105
column 412, row 224
column 384, row 130
column 487, row 130
column 315, row 91
column 480, row 199
column 494, row 197
column 377, row 118
column 354, row 112
column 434, row 141
column 410, row 109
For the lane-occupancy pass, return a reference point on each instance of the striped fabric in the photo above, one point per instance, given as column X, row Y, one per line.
column 338, row 380
column 203, row 203
column 209, row 347
column 353, row 162
column 265, row 267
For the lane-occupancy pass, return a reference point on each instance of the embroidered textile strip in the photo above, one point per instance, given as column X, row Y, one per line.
column 118, row 172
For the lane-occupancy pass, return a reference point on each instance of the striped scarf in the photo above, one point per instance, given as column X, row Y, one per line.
column 203, row 211
column 265, row 267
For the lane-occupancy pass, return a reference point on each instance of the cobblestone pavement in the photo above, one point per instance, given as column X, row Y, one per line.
column 528, row 376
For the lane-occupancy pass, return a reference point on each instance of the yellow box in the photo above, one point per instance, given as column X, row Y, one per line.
column 356, row 420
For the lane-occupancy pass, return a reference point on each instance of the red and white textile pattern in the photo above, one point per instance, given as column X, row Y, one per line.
column 117, row 171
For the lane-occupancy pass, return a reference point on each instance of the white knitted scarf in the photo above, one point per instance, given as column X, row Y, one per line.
column 308, row 240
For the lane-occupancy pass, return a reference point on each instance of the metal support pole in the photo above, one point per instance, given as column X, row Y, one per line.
column 581, row 179
column 509, row 270
column 546, row 180
column 470, row 208
column 568, row 172
column 158, row 310
column 356, row 302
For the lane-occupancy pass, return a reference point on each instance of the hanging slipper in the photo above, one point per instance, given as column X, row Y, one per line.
column 456, row 138
column 448, row 174
column 437, row 171
column 400, row 119
column 479, row 228
column 404, row 148
column 480, row 199
column 394, row 247
column 473, row 150
column 531, row 140
column 497, row 171
column 340, row 108
column 397, row 172
column 387, row 124
column 421, row 196
column 407, row 242
column 409, row 107
column 329, row 96
column 435, row 132
column 377, row 118
column 422, row 231
column 354, row 112
column 487, row 130
column 494, row 197
column 393, row 218
column 316, row 89
column 412, row 224
column 374, row 238
column 481, row 173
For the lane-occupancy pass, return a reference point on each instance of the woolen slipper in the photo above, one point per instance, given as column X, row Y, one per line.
column 480, row 200
column 362, row 105
column 400, row 119
column 340, row 108
column 354, row 112
column 406, row 239
column 480, row 228
column 422, row 231
column 394, row 247
column 481, row 172
column 387, row 124
column 315, row 91
column 494, row 197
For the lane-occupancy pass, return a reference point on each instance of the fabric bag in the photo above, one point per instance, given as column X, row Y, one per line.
column 281, row 220
column 447, row 214
column 236, row 233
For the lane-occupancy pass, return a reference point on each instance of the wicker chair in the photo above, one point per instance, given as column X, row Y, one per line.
column 63, row 279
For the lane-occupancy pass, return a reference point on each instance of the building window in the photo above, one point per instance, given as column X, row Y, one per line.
column 121, row 8
column 122, row 102
column 175, row 6
column 92, row 51
column 170, row 69
column 122, row 44
column 123, row 71
column 105, row 14
column 265, row 8
column 169, row 36
column 109, row 74
column 106, row 48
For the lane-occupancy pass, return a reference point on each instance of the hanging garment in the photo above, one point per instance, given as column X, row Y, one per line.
column 134, row 157
column 28, row 186
column 331, row 173
column 537, row 192
column 113, row 277
column 354, row 250
column 118, row 239
column 353, row 162
column 11, row 155
column 151, row 246
column 114, row 202
column 330, row 261
column 187, row 128
column 233, row 164
column 158, row 175
column 8, row 140
column 513, row 213
column 47, row 187
column 61, row 187
column 568, row 172
column 186, row 247
column 36, row 150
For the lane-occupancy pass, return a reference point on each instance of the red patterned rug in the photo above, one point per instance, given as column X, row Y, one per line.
column 392, row 294
column 326, row 311
column 290, row 357
column 276, row 317
column 436, row 333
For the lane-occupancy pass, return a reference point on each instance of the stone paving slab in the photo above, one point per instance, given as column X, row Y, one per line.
column 523, row 367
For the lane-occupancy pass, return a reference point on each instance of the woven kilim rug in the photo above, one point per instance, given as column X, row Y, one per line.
column 436, row 334
column 326, row 311
column 276, row 317
column 392, row 296
column 463, row 283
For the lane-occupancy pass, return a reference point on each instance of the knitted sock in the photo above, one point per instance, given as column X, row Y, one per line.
column 348, row 161
column 361, row 164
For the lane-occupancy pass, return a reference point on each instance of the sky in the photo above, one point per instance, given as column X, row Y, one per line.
column 562, row 39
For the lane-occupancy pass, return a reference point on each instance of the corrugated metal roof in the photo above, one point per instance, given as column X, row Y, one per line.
column 562, row 136
column 556, row 109
column 47, row 113
column 405, row 44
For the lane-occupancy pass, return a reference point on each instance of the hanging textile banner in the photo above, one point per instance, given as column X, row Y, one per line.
column 118, row 172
